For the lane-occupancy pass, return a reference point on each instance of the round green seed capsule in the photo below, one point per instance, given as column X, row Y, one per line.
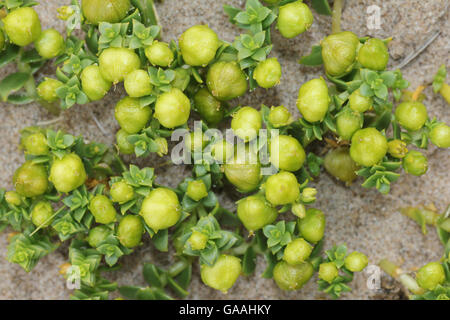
column 374, row 54
column 312, row 226
column 46, row 90
column 196, row 190
column 328, row 271
column 440, row 135
column 67, row 173
column 96, row 11
column 97, row 235
column 225, row 80
column 130, row 231
column 313, row 100
column 198, row 240
column 172, row 108
column 246, row 123
column 22, row 26
column 368, row 147
column 411, row 115
column 223, row 274
column 340, row 165
column 397, row 148
column 222, row 151
column 280, row 117
column 93, row 83
column 297, row 251
column 268, row 73
column 13, row 198
column 243, row 171
column 125, row 147
column 292, row 277
column 102, row 209
column 41, row 214
column 198, row 45
column 131, row 116
column 358, row 102
column 195, row 141
column 50, row 44
column 339, row 52
column 356, row 261
column 35, row 143
column 159, row 54
column 286, row 153
column 116, row 63
column 430, row 275
column 30, row 179
column 255, row 213
column 209, row 108
column 121, row 192
column 282, row 188
column 161, row 209
column 415, row 163
column 294, row 18
column 347, row 123
column 137, row 84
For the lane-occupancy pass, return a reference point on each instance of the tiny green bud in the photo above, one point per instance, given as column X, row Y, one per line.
column 137, row 84
column 328, row 271
column 195, row 141
column 226, row 80
column 339, row 52
column 292, row 277
column 22, row 26
column 348, row 122
column 411, row 115
column 124, row 146
column 223, row 274
column 222, row 151
column 286, row 153
column 397, row 148
column 172, row 108
column 161, row 209
column 65, row 12
column 440, row 135
column 280, row 117
column 255, row 213
column 340, row 165
column 163, row 147
column 246, row 123
column 35, row 143
column 130, row 231
column 46, row 90
column 131, row 116
column 282, row 188
column 96, row 11
column 312, row 226
column 198, row 45
column 374, row 54
column 356, row 261
column 294, row 18
column 97, row 235
column 415, row 163
column 116, row 63
column 93, row 84
column 198, row 240
column 50, row 44
column 102, row 209
column 30, row 179
column 41, row 214
column 13, row 198
column 159, row 54
column 308, row 195
column 358, row 102
column 297, row 251
column 268, row 73
column 368, row 147
column 196, row 190
column 313, row 100
column 67, row 173
column 121, row 192
column 242, row 172
column 430, row 275
column 209, row 108
column 299, row 210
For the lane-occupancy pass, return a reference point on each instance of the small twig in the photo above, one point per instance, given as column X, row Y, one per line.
column 336, row 16
column 99, row 125
column 414, row 54
column 49, row 122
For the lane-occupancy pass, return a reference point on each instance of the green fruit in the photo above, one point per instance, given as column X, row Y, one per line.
column 411, row 115
column 67, row 173
column 198, row 240
column 125, row 147
column 35, row 143
column 328, row 271
column 415, row 163
column 356, row 261
column 13, row 198
column 358, row 102
column 286, row 153
column 137, row 84
column 195, row 141
column 30, row 179
column 116, row 63
column 313, row 100
column 255, row 213
column 97, row 235
column 292, row 277
column 312, row 226
column 196, row 190
column 246, row 123
column 243, row 171
column 397, row 148
column 130, row 231
column 42, row 213
column 282, row 188
column 96, row 11
column 121, row 192
column 280, row 117
column 159, row 54
column 50, row 44
column 46, row 90
column 223, row 274
column 102, row 209
column 131, row 116
column 161, row 209
column 440, row 135
column 93, row 84
column 172, row 108
column 294, row 18
column 430, row 275
column 209, row 108
column 225, row 80
column 297, row 251
column 368, row 147
column 198, row 45
column 340, row 165
column 348, row 122
column 22, row 26
column 222, row 151
column 339, row 52
column 374, row 54
column 268, row 73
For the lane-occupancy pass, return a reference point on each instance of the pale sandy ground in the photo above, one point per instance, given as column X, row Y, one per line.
column 364, row 219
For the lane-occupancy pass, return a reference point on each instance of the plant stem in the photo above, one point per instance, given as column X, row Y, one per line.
column 30, row 85
column 336, row 16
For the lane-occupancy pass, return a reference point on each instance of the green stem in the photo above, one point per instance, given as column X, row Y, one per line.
column 30, row 85
column 336, row 16
column 177, row 268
